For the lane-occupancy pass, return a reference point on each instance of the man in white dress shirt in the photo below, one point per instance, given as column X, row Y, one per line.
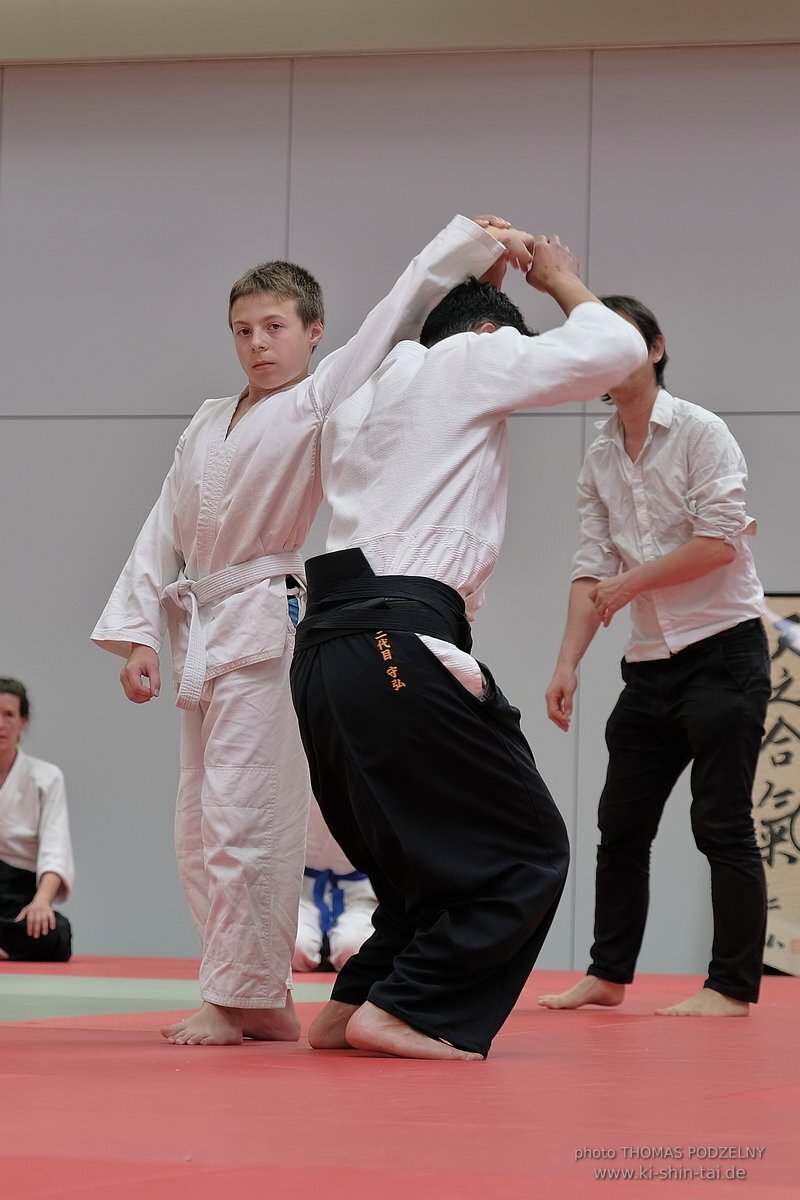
column 664, row 529
column 417, row 759
column 211, row 564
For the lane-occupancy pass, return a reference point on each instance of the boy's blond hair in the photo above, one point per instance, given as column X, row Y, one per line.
column 285, row 280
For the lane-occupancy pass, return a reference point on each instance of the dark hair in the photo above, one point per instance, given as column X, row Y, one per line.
column 13, row 687
column 645, row 322
column 467, row 307
column 285, row 280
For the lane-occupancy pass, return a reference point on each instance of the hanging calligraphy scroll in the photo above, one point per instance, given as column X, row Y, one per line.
column 776, row 793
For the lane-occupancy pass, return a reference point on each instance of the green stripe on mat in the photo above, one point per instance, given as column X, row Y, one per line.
column 38, row 997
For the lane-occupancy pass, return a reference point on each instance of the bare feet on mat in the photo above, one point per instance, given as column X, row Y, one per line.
column 590, row 990
column 370, row 1028
column 211, row 1025
column 272, row 1024
column 706, row 1003
column 327, row 1030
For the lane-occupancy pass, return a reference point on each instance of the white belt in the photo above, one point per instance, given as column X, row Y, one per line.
column 194, row 594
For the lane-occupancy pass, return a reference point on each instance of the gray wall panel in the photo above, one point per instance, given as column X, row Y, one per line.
column 81, row 490
column 695, row 171
column 770, row 445
column 386, row 150
column 519, row 628
column 130, row 199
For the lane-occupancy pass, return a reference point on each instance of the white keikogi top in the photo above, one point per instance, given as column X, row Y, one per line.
column 688, row 481
column 34, row 823
column 415, row 464
column 205, row 560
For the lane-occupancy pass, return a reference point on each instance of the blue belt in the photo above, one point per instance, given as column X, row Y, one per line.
column 329, row 913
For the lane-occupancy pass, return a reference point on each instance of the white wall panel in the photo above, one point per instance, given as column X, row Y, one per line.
column 131, row 197
column 771, row 446
column 519, row 628
column 386, row 150
column 695, row 174
column 73, row 494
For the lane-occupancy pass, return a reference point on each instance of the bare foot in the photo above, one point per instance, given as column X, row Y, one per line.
column 590, row 990
column 211, row 1025
column 370, row 1028
column 272, row 1024
column 327, row 1030
column 3, row 956
column 707, row 1003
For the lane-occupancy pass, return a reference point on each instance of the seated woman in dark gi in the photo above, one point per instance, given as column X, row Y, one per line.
column 36, row 865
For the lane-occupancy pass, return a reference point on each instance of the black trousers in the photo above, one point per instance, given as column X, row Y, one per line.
column 705, row 705
column 436, row 796
column 17, row 888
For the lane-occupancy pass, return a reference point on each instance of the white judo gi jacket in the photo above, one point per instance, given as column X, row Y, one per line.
column 234, row 512
column 34, row 825
column 210, row 567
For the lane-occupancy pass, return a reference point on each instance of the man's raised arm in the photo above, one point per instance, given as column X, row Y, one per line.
column 555, row 270
column 464, row 247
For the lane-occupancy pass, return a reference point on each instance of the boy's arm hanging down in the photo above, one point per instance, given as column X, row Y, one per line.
column 133, row 615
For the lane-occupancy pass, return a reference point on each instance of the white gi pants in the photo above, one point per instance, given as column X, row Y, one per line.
column 240, row 830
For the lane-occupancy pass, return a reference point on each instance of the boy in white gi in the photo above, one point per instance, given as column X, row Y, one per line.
column 212, row 564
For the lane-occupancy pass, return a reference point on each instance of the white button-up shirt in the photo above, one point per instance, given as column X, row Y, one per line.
column 688, row 481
